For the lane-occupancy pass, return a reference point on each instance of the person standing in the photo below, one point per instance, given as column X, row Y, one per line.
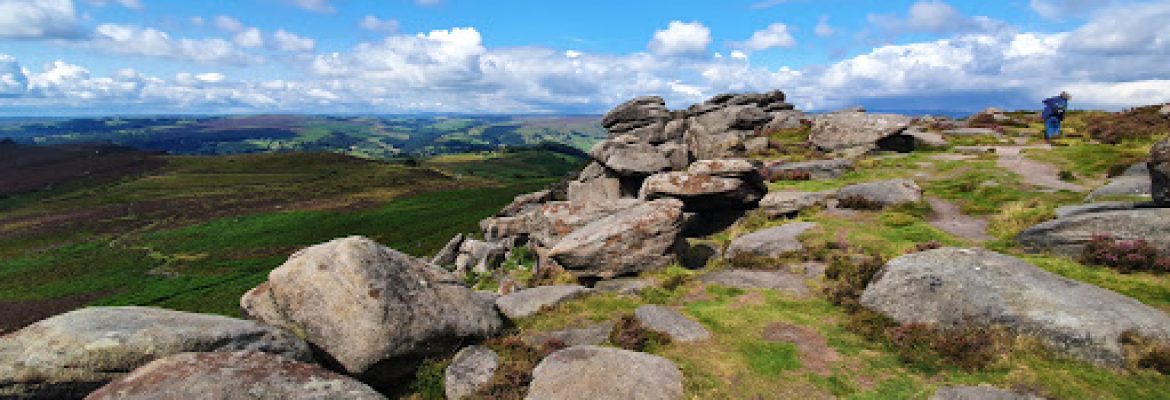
column 1053, row 115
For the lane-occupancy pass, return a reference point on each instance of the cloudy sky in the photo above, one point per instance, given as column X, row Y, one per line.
column 92, row 57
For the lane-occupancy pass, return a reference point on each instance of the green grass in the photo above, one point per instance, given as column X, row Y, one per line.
column 1092, row 159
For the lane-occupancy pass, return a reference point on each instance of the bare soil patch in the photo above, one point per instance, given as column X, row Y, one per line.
column 813, row 349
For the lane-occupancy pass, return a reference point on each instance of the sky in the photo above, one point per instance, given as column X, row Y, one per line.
column 131, row 57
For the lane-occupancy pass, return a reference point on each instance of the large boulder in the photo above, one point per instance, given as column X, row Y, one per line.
column 236, row 375
column 816, row 170
column 1068, row 236
column 374, row 312
column 633, row 240
column 670, row 322
column 644, row 117
column 1134, row 182
column 471, row 369
column 70, row 355
column 883, row 193
column 702, row 192
column 849, row 129
column 590, row 372
column 1159, row 166
column 555, row 220
column 720, row 131
column 789, row 202
column 528, row 302
column 771, row 242
column 953, row 287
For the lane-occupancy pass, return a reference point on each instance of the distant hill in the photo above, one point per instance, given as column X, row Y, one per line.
column 367, row 137
column 26, row 168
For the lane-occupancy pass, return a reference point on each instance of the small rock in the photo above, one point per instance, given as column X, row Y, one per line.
column 590, row 335
column 627, row 286
column 788, row 202
column 591, row 373
column 982, row 392
column 885, row 193
column 471, row 369
column 528, row 302
column 666, row 320
column 771, row 242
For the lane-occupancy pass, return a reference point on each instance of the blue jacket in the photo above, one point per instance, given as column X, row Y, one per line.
column 1055, row 107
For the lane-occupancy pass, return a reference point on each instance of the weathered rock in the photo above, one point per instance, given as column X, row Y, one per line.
column 982, row 392
column 70, row 355
column 885, row 193
column 953, row 287
column 590, row 335
column 666, row 320
column 771, row 242
column 817, row 170
column 594, row 192
column 557, row 219
column 972, row 132
column 494, row 230
column 844, row 130
column 784, row 120
column 783, row 281
column 525, row 201
column 720, row 131
column 450, row 251
column 590, row 373
column 471, row 369
column 639, row 113
column 1079, row 209
column 1159, row 166
column 788, row 202
column 756, row 145
column 735, row 167
column 528, row 302
column 376, row 312
column 702, row 192
column 627, row 157
column 927, row 138
column 479, row 256
column 633, row 240
column 628, row 286
column 236, row 375
column 1134, row 182
column 1068, row 236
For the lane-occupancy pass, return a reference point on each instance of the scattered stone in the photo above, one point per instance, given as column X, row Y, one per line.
column 783, row 281
column 590, row 373
column 790, row 202
column 679, row 328
column 981, row 392
column 1134, row 182
column 952, row 287
column 633, row 240
column 627, row 286
column 771, row 242
column 886, row 193
column 1068, row 236
column 849, row 129
column 1159, row 166
column 70, row 355
column 591, row 335
column 235, row 375
column 528, row 302
column 377, row 312
column 972, row 132
column 817, row 170
column 471, row 369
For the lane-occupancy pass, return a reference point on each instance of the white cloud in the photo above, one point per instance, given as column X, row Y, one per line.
column 681, row 39
column 229, row 24
column 133, row 40
column 1065, row 9
column 372, row 23
column 317, row 6
column 131, row 4
column 249, row 38
column 210, row 77
column 1134, row 29
column 823, row 29
column 763, row 4
column 291, row 42
column 197, row 21
column 572, row 53
column 35, row 19
column 428, row 3
column 739, row 55
column 934, row 16
column 13, row 81
column 774, row 36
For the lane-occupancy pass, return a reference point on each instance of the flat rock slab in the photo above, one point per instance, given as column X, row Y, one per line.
column 627, row 286
column 952, row 287
column 771, row 242
column 1136, row 186
column 1068, row 236
column 817, row 169
column 528, row 302
column 982, row 392
column 235, row 375
column 471, row 369
column 972, row 132
column 783, row 281
column 787, row 202
column 1079, row 209
column 70, row 355
column 885, row 193
column 675, row 325
column 592, row 373
column 589, row 335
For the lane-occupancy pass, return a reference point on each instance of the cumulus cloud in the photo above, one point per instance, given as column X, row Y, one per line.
column 774, row 36
column 1064, row 9
column 134, row 40
column 823, row 29
column 131, row 4
column 681, row 39
column 249, row 38
column 317, row 6
column 934, row 16
column 38, row 19
column 13, row 81
column 291, row 42
column 1134, row 29
column 228, row 24
column 375, row 24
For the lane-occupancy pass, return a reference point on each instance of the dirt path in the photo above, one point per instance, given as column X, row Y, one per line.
column 948, row 218
column 1035, row 173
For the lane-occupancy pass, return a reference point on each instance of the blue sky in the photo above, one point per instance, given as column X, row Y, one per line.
column 75, row 57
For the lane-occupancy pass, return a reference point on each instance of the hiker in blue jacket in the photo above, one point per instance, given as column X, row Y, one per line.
column 1053, row 115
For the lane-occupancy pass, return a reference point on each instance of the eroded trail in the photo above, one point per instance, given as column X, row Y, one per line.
column 1035, row 173
column 950, row 219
